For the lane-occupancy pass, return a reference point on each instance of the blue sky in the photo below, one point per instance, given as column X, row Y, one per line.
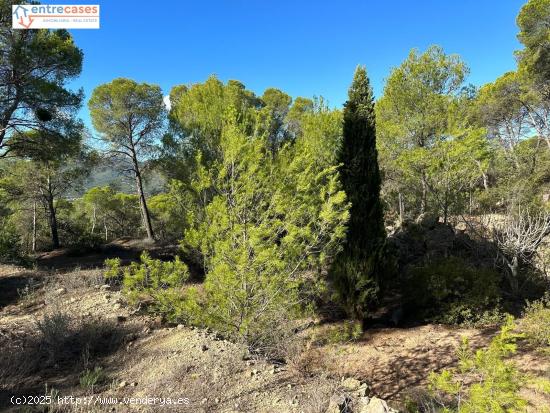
column 303, row 47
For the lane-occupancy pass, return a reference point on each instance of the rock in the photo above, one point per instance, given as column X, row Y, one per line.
column 60, row 291
column 339, row 404
column 204, row 347
column 134, row 384
column 377, row 405
column 361, row 403
column 72, row 300
column 117, row 306
column 180, row 327
column 363, row 391
column 105, row 287
column 427, row 220
column 355, row 387
column 351, row 384
column 461, row 226
column 122, row 384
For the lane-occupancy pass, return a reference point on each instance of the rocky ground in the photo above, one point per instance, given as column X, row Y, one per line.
column 140, row 357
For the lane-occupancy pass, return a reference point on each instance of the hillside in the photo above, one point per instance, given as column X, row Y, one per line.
column 57, row 324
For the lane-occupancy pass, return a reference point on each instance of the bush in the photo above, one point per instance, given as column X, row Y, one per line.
column 113, row 271
column 346, row 332
column 272, row 222
column 449, row 290
column 64, row 339
column 157, row 282
column 55, row 331
column 536, row 322
column 484, row 380
column 90, row 378
column 9, row 244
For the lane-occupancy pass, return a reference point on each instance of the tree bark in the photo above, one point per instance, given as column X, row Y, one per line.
column 93, row 219
column 34, row 226
column 424, row 199
column 401, row 207
column 146, row 216
column 52, row 219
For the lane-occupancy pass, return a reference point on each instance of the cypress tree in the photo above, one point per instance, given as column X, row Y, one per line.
column 356, row 268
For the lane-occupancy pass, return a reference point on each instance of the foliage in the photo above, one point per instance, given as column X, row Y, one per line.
column 357, row 270
column 36, row 66
column 113, row 271
column 348, row 331
column 130, row 116
column 263, row 229
column 9, row 243
column 534, row 34
column 535, row 323
column 90, row 378
column 413, row 115
column 47, row 177
column 111, row 214
column 149, row 280
column 484, row 380
column 451, row 290
column 169, row 212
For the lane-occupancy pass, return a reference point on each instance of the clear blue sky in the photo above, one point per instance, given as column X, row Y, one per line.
column 303, row 47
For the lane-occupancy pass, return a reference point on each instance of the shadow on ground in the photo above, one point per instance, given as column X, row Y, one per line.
column 56, row 351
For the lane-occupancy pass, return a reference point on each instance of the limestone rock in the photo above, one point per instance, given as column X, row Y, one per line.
column 339, row 404
column 377, row 405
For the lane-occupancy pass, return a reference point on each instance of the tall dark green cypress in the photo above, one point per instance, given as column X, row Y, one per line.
column 356, row 270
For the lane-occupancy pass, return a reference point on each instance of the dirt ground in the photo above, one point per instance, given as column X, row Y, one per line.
column 141, row 357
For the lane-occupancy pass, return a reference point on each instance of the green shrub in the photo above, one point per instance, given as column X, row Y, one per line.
column 113, row 271
column 450, row 290
column 346, row 332
column 484, row 380
column 536, row 322
column 152, row 280
column 271, row 223
column 90, row 378
column 9, row 243
column 467, row 315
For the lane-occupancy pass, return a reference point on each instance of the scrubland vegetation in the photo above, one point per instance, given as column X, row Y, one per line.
column 283, row 225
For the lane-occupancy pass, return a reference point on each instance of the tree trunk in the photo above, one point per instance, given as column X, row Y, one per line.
column 52, row 219
column 446, row 207
column 143, row 203
column 483, row 176
column 93, row 219
column 424, row 199
column 401, row 207
column 34, row 226
column 513, row 265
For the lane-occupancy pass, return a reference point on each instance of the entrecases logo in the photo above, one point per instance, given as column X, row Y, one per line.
column 55, row 16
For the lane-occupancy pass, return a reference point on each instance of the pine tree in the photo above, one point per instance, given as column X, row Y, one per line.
column 356, row 269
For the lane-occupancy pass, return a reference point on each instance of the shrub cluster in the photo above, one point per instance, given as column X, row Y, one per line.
column 484, row 380
column 152, row 281
column 450, row 290
column 535, row 323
